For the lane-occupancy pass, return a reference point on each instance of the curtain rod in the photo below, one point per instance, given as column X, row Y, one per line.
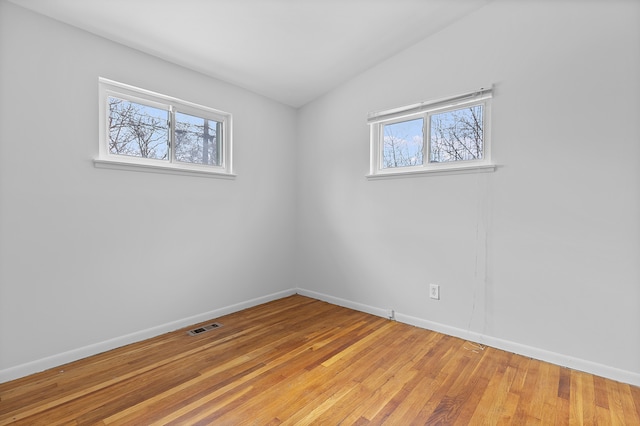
column 427, row 105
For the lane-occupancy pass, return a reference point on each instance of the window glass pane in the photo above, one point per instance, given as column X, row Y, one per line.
column 138, row 130
column 402, row 144
column 457, row 135
column 197, row 140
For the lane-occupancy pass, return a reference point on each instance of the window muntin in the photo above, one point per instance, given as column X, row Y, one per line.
column 146, row 129
column 433, row 136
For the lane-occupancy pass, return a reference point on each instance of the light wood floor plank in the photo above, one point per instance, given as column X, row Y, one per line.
column 301, row 361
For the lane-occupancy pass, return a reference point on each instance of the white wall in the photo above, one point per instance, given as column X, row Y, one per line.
column 88, row 254
column 541, row 256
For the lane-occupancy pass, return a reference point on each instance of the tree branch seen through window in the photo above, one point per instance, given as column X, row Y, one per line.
column 456, row 135
column 138, row 130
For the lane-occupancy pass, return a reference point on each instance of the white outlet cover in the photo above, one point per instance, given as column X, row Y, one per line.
column 434, row 291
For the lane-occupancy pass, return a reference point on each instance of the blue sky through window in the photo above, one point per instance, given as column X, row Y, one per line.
column 403, row 143
column 138, row 130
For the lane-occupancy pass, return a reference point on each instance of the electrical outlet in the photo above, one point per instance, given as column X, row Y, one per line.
column 434, row 291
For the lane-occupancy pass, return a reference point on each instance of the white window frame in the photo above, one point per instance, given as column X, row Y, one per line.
column 425, row 110
column 106, row 159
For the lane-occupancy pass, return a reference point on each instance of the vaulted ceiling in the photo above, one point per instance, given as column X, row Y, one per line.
column 289, row 50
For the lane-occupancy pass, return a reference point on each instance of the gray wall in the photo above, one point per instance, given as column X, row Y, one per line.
column 542, row 255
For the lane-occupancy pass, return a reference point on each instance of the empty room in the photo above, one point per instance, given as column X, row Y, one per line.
column 319, row 212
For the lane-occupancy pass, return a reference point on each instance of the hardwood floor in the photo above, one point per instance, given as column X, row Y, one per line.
column 301, row 361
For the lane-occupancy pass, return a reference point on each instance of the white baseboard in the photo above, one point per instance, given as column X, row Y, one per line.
column 495, row 342
column 343, row 302
column 28, row 368
column 602, row 370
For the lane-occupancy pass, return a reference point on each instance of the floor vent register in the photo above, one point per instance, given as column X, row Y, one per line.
column 204, row 329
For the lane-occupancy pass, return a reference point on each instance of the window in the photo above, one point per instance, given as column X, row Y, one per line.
column 146, row 131
column 449, row 135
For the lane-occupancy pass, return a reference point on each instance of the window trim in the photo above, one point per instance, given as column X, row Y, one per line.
column 171, row 165
column 425, row 110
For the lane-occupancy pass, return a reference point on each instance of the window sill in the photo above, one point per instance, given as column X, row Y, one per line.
column 166, row 169
column 485, row 168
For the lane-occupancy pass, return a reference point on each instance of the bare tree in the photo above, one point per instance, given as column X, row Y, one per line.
column 137, row 130
column 197, row 143
column 401, row 146
column 457, row 135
